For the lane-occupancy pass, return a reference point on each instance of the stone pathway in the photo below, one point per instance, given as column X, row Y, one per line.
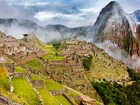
column 86, row 98
column 3, row 60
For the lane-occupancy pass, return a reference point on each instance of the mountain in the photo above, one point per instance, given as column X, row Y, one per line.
column 136, row 16
column 114, row 27
column 17, row 28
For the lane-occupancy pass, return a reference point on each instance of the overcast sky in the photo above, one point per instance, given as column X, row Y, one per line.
column 71, row 13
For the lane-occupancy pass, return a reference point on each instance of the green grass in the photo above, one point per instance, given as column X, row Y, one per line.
column 4, row 81
column 5, row 87
column 36, row 66
column 52, row 85
column 100, row 67
column 30, row 63
column 23, row 89
column 73, row 94
column 12, row 96
column 19, row 69
column 62, row 100
column 48, row 99
column 34, row 77
column 47, row 56
column 50, row 48
column 57, row 58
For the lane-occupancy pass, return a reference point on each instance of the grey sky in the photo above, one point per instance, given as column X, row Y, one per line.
column 71, row 13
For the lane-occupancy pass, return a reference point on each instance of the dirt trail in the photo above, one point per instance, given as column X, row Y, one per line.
column 86, row 98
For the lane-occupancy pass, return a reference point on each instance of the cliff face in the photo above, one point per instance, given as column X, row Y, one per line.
column 114, row 27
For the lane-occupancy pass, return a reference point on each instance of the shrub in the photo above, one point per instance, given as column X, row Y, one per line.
column 87, row 62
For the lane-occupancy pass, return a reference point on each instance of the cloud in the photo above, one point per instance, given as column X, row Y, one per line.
column 68, row 12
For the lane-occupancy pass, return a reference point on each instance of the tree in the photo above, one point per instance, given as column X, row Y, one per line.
column 87, row 62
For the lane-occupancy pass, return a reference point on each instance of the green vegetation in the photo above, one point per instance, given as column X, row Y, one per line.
column 4, row 82
column 73, row 94
column 48, row 99
column 51, row 85
column 36, row 66
column 57, row 58
column 106, row 67
column 5, row 87
column 30, row 63
column 34, row 77
column 23, row 89
column 62, row 100
column 47, row 56
column 56, row 45
column 116, row 94
column 87, row 62
column 19, row 69
column 133, row 75
column 50, row 48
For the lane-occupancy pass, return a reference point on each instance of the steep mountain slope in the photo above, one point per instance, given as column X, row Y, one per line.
column 33, row 69
column 136, row 16
column 116, row 28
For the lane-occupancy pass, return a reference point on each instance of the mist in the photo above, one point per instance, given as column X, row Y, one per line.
column 43, row 33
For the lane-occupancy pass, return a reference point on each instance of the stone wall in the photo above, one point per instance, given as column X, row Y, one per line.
column 59, row 92
column 80, row 101
column 57, row 63
column 38, row 84
column 10, row 69
column 6, row 101
column 26, row 74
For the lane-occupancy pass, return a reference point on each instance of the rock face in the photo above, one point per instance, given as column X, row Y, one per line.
column 117, row 28
column 136, row 16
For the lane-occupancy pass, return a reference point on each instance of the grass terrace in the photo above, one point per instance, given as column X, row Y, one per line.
column 47, row 56
column 47, row 97
column 31, row 63
column 12, row 96
column 34, row 77
column 50, row 48
column 101, row 68
column 4, row 81
column 62, row 100
column 5, row 87
column 54, row 58
column 36, row 66
column 52, row 85
column 19, row 69
column 73, row 94
column 23, row 89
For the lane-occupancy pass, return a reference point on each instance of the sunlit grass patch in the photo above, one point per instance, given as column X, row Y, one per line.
column 23, row 89
column 34, row 77
column 36, row 66
column 73, row 94
column 57, row 58
column 52, row 85
column 19, row 69
column 30, row 63
column 4, row 79
column 48, row 99
column 62, row 100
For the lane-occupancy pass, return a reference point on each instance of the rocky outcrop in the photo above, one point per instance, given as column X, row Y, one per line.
column 6, row 101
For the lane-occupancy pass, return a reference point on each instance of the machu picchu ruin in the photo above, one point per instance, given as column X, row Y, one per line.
column 58, row 73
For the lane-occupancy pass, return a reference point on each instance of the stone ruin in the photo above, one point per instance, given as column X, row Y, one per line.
column 6, row 101
column 59, row 92
column 38, row 84
column 10, row 69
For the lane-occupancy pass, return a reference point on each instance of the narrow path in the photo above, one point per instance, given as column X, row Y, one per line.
column 86, row 98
